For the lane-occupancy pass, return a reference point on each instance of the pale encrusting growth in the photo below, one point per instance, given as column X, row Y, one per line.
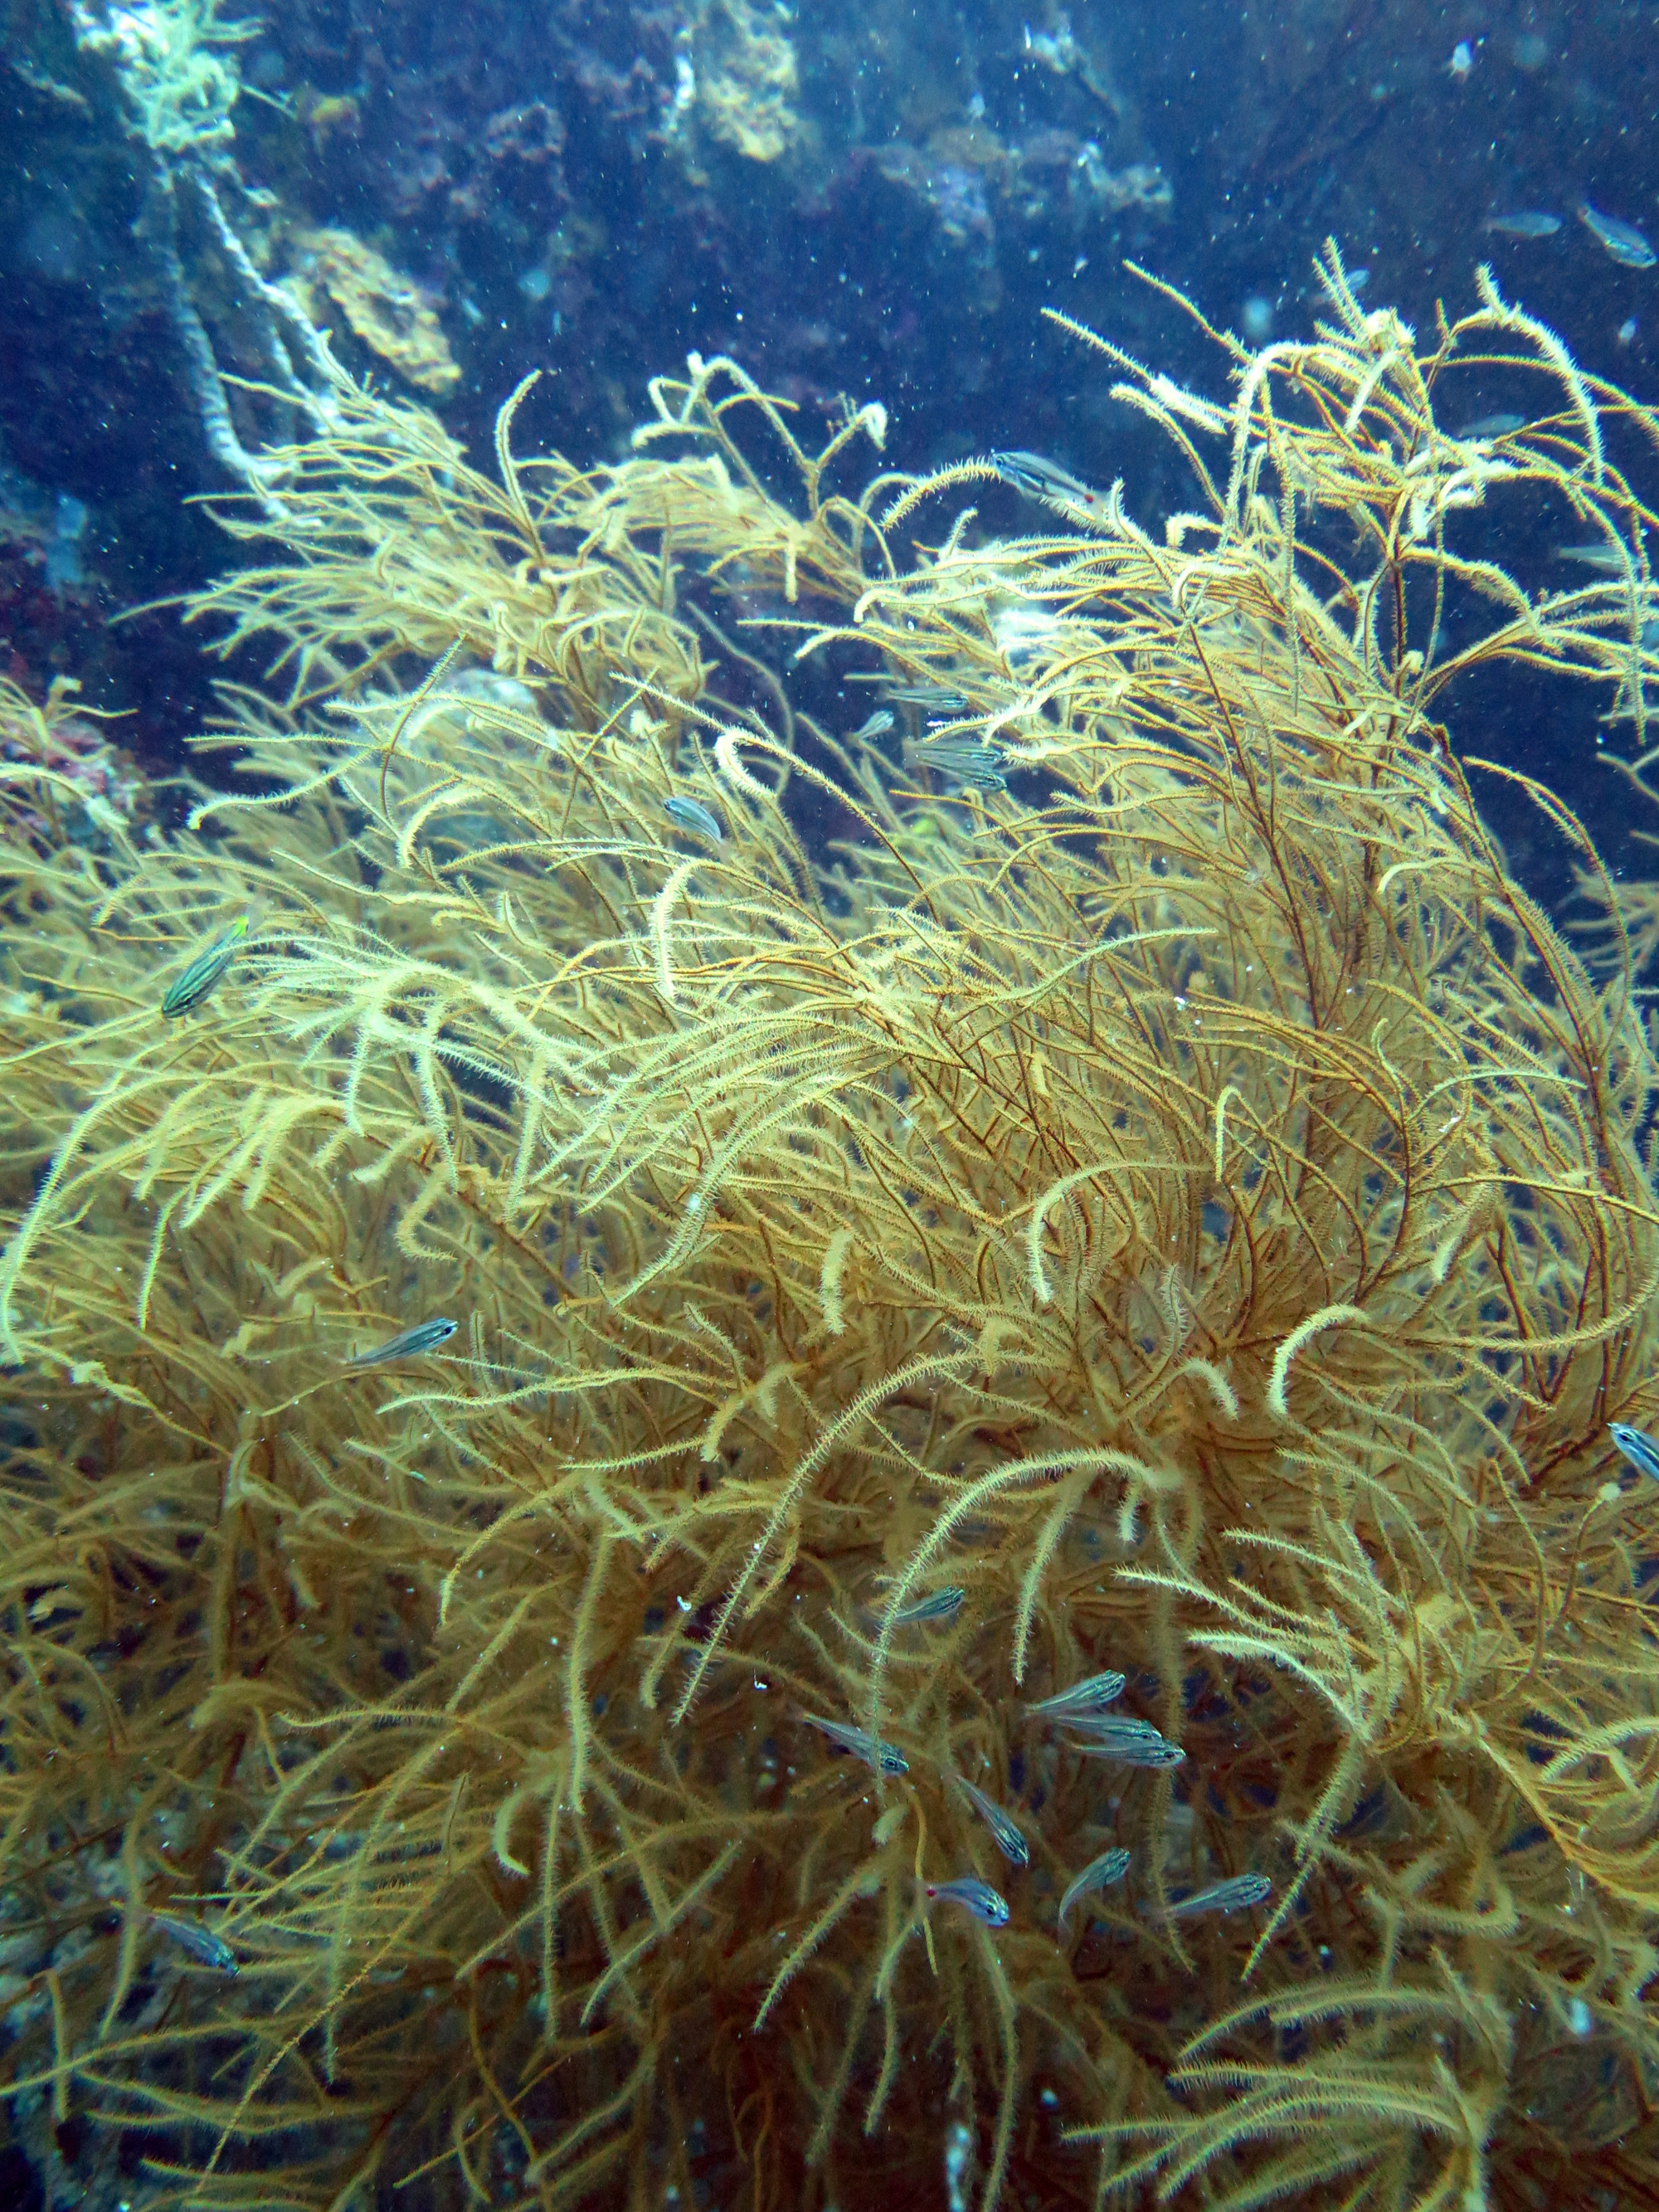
column 1062, row 1353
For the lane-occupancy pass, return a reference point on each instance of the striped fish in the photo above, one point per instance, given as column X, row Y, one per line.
column 691, row 814
column 426, row 1336
column 204, row 971
column 1244, row 1889
column 1637, row 1446
column 1099, row 1873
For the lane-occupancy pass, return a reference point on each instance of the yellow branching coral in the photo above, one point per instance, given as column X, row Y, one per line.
column 1110, row 1291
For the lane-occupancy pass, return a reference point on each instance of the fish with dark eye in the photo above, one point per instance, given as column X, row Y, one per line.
column 1243, row 1890
column 1091, row 1695
column 203, row 1945
column 878, row 727
column 1036, row 477
column 425, row 1336
column 1008, row 1839
column 1118, row 1736
column 883, row 1757
column 964, row 760
column 204, row 971
column 973, row 1896
column 939, row 1604
column 1099, row 1873
column 1637, row 1446
column 691, row 814
column 1622, row 239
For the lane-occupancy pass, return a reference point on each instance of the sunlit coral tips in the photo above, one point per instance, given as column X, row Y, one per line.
column 980, row 1899
column 204, row 971
column 1638, row 1448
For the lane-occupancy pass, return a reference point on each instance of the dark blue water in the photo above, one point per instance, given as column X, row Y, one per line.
column 873, row 201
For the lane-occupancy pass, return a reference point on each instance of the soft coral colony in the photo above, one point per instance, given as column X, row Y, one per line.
column 1057, row 1350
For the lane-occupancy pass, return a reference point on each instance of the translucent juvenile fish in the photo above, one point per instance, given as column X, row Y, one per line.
column 1622, row 239
column 1130, row 1742
column 1605, row 557
column 1099, row 1873
column 1525, row 222
column 1637, row 1446
column 1046, row 482
column 1223, row 1896
column 965, row 759
column 883, row 1757
column 937, row 698
column 980, row 1899
column 1008, row 1839
column 1491, row 426
column 201, row 1943
column 690, row 814
column 204, row 971
column 878, row 726
column 1088, row 1696
column 939, row 1605
column 425, row 1337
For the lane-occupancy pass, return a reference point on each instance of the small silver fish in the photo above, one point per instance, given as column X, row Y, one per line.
column 878, row 727
column 940, row 1604
column 201, row 1943
column 691, row 814
column 1130, row 1742
column 1085, row 1696
column 937, row 698
column 963, row 759
column 204, row 971
column 1637, row 1446
column 980, row 1899
column 1622, row 239
column 1009, row 1841
column 426, row 1336
column 1223, row 1896
column 1099, row 1873
column 883, row 1757
column 1603, row 558
column 1036, row 477
column 1525, row 222
column 1491, row 426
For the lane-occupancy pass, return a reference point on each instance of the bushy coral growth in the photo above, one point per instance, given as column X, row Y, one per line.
column 1183, row 1216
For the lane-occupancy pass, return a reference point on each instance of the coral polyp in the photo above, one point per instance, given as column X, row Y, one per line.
column 1014, row 1578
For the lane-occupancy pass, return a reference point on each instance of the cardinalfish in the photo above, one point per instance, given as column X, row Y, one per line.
column 203, row 1945
column 691, row 814
column 964, row 760
column 1099, row 1873
column 886, row 1758
column 1622, row 239
column 1637, row 1446
column 1008, row 1839
column 204, row 971
column 977, row 1897
column 939, row 1604
column 426, row 1336
column 1089, row 1696
column 1049, row 485
column 1129, row 1742
column 1244, row 1889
